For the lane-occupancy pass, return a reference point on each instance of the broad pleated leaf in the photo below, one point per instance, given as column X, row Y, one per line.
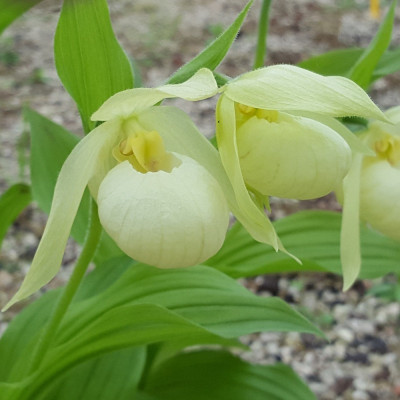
column 206, row 375
column 199, row 294
column 12, row 9
column 90, row 62
column 122, row 327
column 362, row 71
column 108, row 377
column 12, row 203
column 214, row 53
column 314, row 236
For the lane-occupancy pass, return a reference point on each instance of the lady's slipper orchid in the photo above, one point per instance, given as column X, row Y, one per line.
column 375, row 197
column 158, row 182
column 277, row 137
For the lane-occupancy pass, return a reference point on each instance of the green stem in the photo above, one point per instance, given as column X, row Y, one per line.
column 62, row 305
column 261, row 49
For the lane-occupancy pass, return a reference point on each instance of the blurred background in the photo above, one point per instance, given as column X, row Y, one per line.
column 361, row 361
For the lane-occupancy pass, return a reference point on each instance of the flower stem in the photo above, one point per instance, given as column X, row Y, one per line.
column 63, row 302
column 263, row 23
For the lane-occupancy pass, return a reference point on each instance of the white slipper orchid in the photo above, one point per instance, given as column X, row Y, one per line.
column 380, row 177
column 277, row 137
column 158, row 182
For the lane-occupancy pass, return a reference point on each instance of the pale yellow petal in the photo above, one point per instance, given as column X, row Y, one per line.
column 74, row 176
column 123, row 104
column 287, row 87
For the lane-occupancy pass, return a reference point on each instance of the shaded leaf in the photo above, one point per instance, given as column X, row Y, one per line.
column 12, row 9
column 90, row 62
column 205, row 375
column 12, row 203
column 111, row 376
column 199, row 294
column 313, row 236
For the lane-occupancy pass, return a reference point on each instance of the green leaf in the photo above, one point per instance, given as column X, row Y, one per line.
column 12, row 202
column 111, row 376
column 199, row 294
column 388, row 64
column 12, row 9
column 313, row 236
column 362, row 70
column 206, row 375
column 90, row 62
column 50, row 146
column 340, row 62
column 214, row 53
column 121, row 327
column 335, row 62
column 21, row 337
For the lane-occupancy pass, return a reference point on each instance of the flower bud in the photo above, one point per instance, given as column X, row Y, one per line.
column 292, row 157
column 167, row 218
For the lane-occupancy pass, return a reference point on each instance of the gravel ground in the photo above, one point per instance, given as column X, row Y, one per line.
column 361, row 359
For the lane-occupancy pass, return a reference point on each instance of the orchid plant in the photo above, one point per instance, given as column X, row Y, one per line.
column 161, row 200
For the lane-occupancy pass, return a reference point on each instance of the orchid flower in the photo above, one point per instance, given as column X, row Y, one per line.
column 376, row 178
column 159, row 184
column 277, row 137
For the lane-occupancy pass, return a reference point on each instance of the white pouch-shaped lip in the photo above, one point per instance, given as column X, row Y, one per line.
column 166, row 219
column 292, row 157
column 380, row 197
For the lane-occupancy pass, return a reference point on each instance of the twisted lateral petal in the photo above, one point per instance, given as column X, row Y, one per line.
column 123, row 104
column 74, row 176
column 286, row 88
column 166, row 219
column 251, row 216
column 350, row 253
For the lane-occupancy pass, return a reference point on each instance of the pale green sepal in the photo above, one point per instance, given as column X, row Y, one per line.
column 355, row 144
column 350, row 253
column 123, row 104
column 287, row 87
column 254, row 218
column 71, row 183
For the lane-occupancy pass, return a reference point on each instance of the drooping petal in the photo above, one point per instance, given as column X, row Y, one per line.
column 166, row 219
column 251, row 216
column 287, row 87
column 123, row 104
column 350, row 253
column 74, row 176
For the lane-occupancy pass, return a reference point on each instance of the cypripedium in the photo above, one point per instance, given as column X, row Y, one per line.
column 277, row 137
column 159, row 184
column 376, row 178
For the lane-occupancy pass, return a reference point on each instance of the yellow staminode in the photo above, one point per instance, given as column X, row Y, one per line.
column 145, row 151
column 389, row 149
